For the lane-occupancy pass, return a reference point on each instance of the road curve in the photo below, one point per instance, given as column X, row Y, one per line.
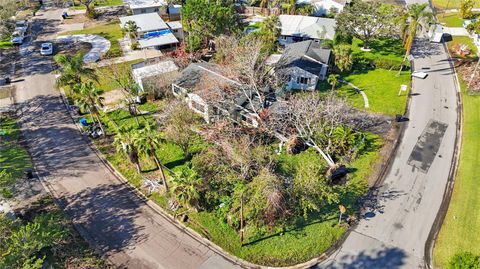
column 401, row 212
column 108, row 213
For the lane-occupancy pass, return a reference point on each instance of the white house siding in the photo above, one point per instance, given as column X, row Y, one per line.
column 293, row 83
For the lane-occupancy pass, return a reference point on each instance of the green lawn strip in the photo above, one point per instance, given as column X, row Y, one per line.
column 13, row 157
column 463, row 40
column 110, row 31
column 381, row 87
column 99, row 3
column 105, row 81
column 462, row 222
column 450, row 4
column 450, row 19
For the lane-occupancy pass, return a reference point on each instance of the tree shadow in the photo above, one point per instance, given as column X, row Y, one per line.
column 107, row 213
column 389, row 258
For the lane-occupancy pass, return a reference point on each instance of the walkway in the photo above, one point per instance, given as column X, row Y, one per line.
column 401, row 212
column 455, row 31
column 100, row 45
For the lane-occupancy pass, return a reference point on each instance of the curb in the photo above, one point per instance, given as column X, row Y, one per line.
column 447, row 195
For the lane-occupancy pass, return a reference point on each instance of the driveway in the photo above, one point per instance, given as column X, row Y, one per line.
column 107, row 212
column 394, row 230
column 456, row 31
column 100, row 45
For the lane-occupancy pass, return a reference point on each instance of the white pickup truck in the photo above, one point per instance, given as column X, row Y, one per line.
column 21, row 26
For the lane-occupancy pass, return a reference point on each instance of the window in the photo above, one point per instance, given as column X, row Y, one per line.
column 156, row 9
column 303, row 80
column 143, row 11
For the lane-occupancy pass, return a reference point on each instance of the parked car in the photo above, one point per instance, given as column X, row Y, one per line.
column 21, row 26
column 17, row 38
column 46, row 48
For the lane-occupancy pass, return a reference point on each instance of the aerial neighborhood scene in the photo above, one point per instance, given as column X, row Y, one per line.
column 211, row 134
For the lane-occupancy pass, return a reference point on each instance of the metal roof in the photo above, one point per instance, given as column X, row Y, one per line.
column 136, row 4
column 175, row 25
column 146, row 22
column 307, row 26
column 158, row 41
column 306, row 55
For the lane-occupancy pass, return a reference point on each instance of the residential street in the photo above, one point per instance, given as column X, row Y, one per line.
column 394, row 232
column 109, row 214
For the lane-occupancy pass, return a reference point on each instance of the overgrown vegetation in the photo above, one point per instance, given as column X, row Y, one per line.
column 42, row 236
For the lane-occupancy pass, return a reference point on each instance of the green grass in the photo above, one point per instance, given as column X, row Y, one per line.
column 381, row 87
column 450, row 19
column 110, row 31
column 6, row 44
column 99, row 3
column 462, row 40
column 462, row 222
column 14, row 157
column 388, row 49
column 450, row 4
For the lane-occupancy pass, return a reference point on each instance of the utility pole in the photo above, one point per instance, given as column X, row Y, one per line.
column 241, row 219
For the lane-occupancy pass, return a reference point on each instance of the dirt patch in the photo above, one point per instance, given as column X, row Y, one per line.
column 72, row 48
column 113, row 97
column 8, row 60
column 78, row 18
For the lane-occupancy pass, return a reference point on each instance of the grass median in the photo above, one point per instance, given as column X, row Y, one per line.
column 462, row 222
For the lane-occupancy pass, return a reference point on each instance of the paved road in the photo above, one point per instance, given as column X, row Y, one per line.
column 115, row 219
column 399, row 222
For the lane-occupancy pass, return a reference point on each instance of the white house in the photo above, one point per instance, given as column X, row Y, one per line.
column 303, row 64
column 322, row 7
column 147, row 6
column 297, row 28
column 211, row 94
column 142, row 71
column 152, row 31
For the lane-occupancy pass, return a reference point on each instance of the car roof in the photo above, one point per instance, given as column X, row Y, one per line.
column 46, row 44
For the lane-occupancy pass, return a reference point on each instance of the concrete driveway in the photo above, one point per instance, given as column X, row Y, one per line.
column 106, row 211
column 401, row 212
column 100, row 45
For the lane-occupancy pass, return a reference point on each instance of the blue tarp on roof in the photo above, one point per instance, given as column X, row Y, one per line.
column 157, row 33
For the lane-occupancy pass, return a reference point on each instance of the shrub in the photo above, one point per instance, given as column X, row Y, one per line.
column 135, row 45
column 464, row 260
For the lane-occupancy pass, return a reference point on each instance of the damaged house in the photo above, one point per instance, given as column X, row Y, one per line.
column 211, row 93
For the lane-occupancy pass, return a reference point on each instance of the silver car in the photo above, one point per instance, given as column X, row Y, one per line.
column 46, row 48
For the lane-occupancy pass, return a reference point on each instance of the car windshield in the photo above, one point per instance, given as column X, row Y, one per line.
column 45, row 46
column 20, row 24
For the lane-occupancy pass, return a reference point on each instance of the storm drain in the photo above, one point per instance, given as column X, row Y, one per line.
column 427, row 145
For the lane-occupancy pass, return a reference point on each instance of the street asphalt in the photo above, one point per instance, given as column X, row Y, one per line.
column 107, row 212
column 397, row 222
column 115, row 220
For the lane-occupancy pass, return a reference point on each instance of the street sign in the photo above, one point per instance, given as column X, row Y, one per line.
column 342, row 209
column 403, row 88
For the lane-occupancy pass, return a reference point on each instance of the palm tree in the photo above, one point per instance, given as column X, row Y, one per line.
column 343, row 57
column 124, row 142
column 289, row 6
column 147, row 141
column 185, row 186
column 416, row 17
column 269, row 32
column 333, row 80
column 88, row 98
column 73, row 70
column 131, row 28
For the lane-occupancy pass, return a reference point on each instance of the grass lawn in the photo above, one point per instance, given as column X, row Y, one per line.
column 98, row 3
column 382, row 97
column 462, row 40
column 388, row 49
column 462, row 222
column 450, row 4
column 13, row 157
column 450, row 19
column 110, row 31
